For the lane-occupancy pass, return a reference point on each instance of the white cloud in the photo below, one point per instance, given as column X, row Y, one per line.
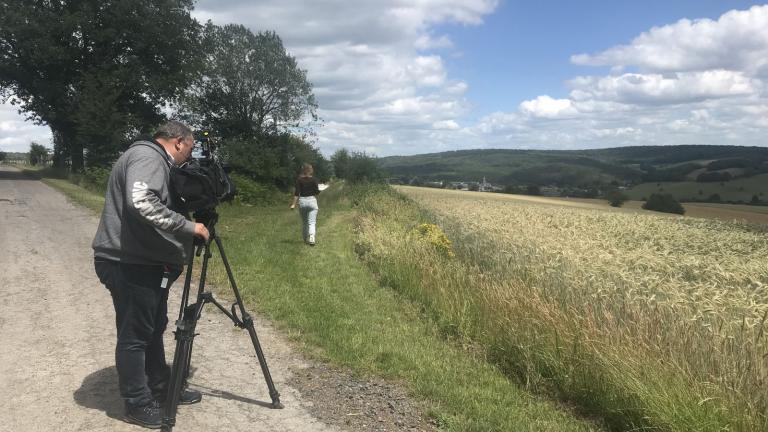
column 445, row 124
column 736, row 41
column 691, row 82
column 632, row 88
column 546, row 107
column 16, row 134
column 379, row 73
column 372, row 63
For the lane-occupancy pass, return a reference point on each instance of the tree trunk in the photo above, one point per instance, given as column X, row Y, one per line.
column 67, row 147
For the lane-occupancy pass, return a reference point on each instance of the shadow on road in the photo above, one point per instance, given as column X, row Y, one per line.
column 15, row 175
column 99, row 391
column 230, row 396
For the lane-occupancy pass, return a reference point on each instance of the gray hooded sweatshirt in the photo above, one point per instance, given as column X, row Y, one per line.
column 138, row 224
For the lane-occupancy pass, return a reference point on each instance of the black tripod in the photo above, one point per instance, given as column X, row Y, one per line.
column 190, row 313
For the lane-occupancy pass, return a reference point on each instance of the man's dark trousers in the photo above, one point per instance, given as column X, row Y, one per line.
column 141, row 316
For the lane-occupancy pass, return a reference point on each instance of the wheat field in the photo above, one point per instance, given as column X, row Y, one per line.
column 665, row 315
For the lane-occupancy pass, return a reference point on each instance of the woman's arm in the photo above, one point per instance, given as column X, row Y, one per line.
column 295, row 195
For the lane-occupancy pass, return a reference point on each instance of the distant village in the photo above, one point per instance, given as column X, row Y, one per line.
column 486, row 186
column 479, row 186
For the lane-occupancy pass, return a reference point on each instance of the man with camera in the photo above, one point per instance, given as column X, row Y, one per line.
column 139, row 250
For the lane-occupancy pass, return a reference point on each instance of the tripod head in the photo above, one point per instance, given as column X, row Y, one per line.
column 207, row 217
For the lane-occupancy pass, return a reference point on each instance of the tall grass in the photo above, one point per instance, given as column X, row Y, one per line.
column 648, row 322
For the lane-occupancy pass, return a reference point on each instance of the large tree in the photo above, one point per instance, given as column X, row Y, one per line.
column 250, row 87
column 95, row 70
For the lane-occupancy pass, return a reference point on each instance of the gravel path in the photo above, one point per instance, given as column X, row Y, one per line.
column 57, row 336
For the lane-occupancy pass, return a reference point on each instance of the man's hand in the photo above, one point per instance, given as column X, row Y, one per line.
column 201, row 231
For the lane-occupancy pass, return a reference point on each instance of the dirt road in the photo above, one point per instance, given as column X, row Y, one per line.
column 57, row 335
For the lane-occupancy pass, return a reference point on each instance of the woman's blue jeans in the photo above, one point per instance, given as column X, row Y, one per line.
column 308, row 211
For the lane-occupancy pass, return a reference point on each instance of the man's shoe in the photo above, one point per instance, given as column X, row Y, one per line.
column 311, row 240
column 189, row 397
column 148, row 416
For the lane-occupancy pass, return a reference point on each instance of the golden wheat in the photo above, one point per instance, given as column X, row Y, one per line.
column 685, row 294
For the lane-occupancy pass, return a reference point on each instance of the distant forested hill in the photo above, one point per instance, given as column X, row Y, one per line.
column 583, row 168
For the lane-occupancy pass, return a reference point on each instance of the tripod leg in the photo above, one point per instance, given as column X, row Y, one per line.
column 247, row 321
column 198, row 311
column 185, row 333
column 185, row 336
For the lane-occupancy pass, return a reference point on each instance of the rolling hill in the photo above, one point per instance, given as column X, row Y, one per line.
column 583, row 168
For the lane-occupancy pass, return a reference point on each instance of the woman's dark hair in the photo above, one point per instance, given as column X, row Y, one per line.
column 307, row 170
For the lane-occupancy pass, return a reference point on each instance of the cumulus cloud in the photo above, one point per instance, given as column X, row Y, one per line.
column 693, row 81
column 445, row 124
column 375, row 65
column 380, row 78
column 679, row 87
column 546, row 107
column 737, row 41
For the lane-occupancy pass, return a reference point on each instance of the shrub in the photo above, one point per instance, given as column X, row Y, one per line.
column 616, row 198
column 356, row 167
column 255, row 193
column 533, row 190
column 95, row 178
column 432, row 234
column 665, row 203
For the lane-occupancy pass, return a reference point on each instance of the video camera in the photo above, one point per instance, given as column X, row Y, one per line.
column 202, row 182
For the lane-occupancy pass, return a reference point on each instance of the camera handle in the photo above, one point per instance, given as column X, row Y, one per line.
column 189, row 314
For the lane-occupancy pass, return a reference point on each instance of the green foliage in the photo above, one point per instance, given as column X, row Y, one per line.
column 254, row 193
column 275, row 160
column 2, row 156
column 95, row 71
column 250, row 86
column 38, row 154
column 730, row 163
column 714, row 176
column 356, row 167
column 616, row 198
column 95, row 178
column 729, row 192
column 532, row 190
column 340, row 163
column 665, row 203
column 581, row 169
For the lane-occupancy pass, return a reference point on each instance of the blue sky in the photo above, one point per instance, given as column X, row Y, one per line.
column 397, row 77
column 523, row 48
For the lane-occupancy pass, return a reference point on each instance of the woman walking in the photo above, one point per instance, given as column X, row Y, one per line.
column 305, row 195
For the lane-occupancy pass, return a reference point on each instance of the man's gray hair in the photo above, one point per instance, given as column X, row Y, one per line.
column 173, row 129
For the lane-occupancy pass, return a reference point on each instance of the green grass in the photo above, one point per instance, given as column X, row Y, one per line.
column 77, row 194
column 741, row 189
column 328, row 301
